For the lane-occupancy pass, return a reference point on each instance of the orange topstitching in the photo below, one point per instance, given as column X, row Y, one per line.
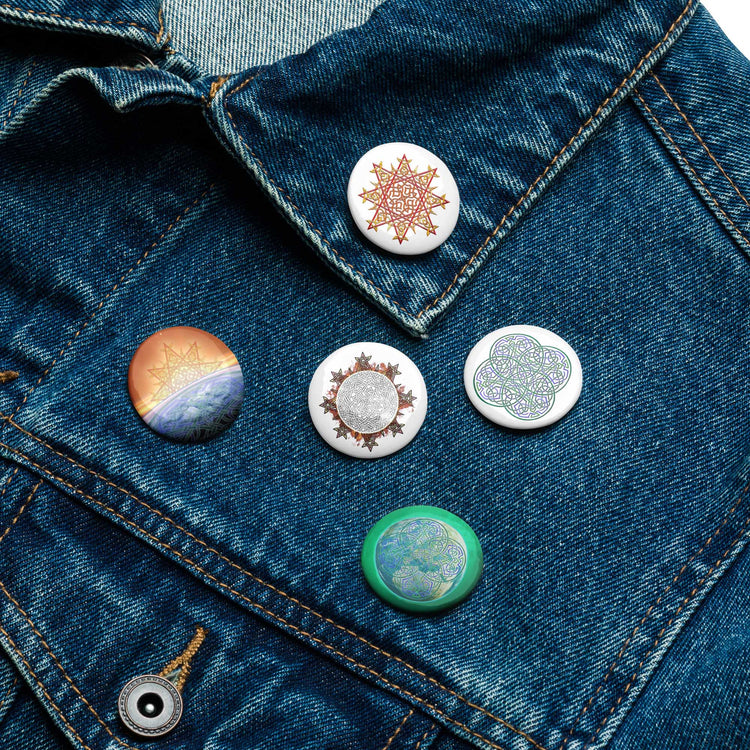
column 41, row 686
column 252, row 576
column 422, row 738
column 8, row 691
column 556, row 158
column 687, row 163
column 651, row 608
column 699, row 139
column 272, row 615
column 510, row 211
column 299, row 211
column 20, row 511
column 122, row 278
column 398, row 729
column 9, row 480
column 658, row 638
column 44, row 643
column 25, row 83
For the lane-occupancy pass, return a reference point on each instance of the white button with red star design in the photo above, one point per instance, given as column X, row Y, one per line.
column 523, row 377
column 367, row 400
column 403, row 198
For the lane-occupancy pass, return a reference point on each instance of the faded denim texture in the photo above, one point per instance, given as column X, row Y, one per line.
column 603, row 157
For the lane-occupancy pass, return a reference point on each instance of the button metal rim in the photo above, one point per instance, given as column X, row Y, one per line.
column 162, row 687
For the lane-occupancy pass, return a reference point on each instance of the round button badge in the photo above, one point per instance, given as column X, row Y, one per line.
column 185, row 384
column 422, row 558
column 523, row 377
column 403, row 198
column 367, row 400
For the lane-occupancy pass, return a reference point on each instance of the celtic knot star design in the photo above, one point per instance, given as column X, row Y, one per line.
column 180, row 368
column 420, row 558
column 403, row 199
column 522, row 376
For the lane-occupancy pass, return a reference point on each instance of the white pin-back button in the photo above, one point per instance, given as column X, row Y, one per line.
column 403, row 198
column 523, row 377
column 367, row 400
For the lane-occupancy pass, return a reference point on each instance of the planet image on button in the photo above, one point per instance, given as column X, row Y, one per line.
column 421, row 559
column 186, row 384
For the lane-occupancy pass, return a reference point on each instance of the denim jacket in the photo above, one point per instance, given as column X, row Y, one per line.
column 166, row 166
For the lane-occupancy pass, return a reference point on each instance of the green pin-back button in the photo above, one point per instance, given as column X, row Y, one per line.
column 422, row 558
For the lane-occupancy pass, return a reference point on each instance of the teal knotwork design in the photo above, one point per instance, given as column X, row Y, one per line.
column 420, row 559
column 522, row 376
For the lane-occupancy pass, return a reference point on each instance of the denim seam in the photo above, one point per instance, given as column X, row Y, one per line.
column 299, row 211
column 415, row 318
column 8, row 481
column 651, row 608
column 57, row 662
column 109, row 22
column 44, row 690
column 122, row 278
column 398, row 729
column 659, row 636
column 19, row 94
column 8, row 691
column 699, row 139
column 291, row 626
column 20, row 511
column 422, row 738
column 687, row 163
column 245, row 572
column 560, row 153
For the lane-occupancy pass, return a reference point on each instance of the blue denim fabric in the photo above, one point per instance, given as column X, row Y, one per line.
column 224, row 36
column 139, row 192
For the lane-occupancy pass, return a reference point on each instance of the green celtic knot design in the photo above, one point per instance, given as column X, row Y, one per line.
column 420, row 558
column 522, row 376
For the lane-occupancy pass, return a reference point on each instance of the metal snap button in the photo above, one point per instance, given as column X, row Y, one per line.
column 150, row 706
column 403, row 198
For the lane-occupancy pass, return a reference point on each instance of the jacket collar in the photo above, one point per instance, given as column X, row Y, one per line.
column 138, row 21
column 505, row 97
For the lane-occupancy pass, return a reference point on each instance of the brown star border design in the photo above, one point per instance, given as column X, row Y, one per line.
column 367, row 440
column 403, row 199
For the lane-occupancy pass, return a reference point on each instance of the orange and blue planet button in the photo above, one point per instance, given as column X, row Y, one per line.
column 185, row 384
column 422, row 558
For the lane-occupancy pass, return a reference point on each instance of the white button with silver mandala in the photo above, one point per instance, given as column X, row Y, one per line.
column 367, row 400
column 523, row 377
column 403, row 198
